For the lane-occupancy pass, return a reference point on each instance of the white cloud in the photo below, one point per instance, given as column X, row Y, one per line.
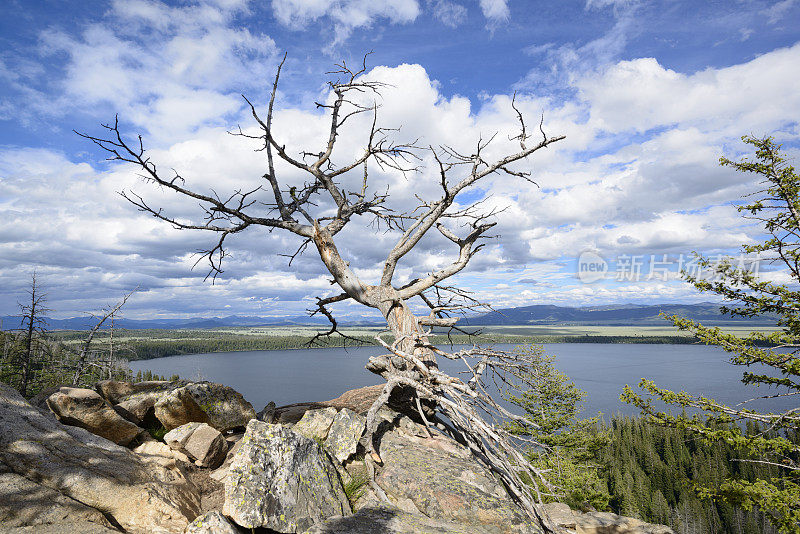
column 636, row 174
column 495, row 10
column 777, row 12
column 449, row 13
column 640, row 94
column 168, row 69
column 344, row 15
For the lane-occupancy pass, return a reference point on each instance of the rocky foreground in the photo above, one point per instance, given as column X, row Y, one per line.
column 80, row 461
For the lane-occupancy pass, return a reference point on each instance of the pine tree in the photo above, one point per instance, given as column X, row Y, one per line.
column 570, row 444
column 777, row 207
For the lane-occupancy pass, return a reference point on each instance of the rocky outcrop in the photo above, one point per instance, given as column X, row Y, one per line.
column 200, row 442
column 358, row 400
column 388, row 519
column 26, row 503
column 139, row 496
column 211, row 523
column 85, row 408
column 440, row 479
column 282, row 481
column 220, row 406
column 600, row 522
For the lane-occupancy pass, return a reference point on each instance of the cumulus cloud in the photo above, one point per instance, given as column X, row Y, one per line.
column 637, row 173
column 166, row 69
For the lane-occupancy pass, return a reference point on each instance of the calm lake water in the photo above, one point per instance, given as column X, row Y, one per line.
column 288, row 376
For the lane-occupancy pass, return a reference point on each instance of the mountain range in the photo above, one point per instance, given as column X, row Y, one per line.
column 540, row 314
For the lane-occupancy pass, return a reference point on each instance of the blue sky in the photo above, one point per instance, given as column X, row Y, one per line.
column 649, row 94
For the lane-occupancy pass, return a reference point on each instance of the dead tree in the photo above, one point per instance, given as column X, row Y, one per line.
column 108, row 314
column 305, row 210
column 34, row 326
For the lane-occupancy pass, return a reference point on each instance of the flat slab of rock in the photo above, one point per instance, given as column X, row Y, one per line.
column 211, row 523
column 26, row 503
column 85, row 408
column 387, row 519
column 344, row 434
column 281, row 480
column 316, row 423
column 142, row 497
column 80, row 527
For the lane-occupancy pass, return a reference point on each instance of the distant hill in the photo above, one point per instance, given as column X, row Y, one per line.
column 611, row 315
column 85, row 323
column 542, row 314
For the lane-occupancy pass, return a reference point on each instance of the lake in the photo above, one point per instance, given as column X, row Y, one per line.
column 288, row 376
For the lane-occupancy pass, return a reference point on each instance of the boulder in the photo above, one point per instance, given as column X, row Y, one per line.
column 440, row 479
column 204, row 402
column 87, row 409
column 344, row 434
column 281, row 480
column 139, row 496
column 204, row 444
column 388, row 519
column 316, row 423
column 211, row 523
column 177, row 437
column 136, row 401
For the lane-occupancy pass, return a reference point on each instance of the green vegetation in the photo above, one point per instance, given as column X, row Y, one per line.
column 652, row 472
column 355, row 487
column 776, row 492
column 566, row 446
column 148, row 344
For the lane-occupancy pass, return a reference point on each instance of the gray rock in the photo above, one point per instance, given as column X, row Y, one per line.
column 116, row 391
column 316, row 423
column 142, row 497
column 282, row 481
column 204, row 402
column 266, row 415
column 204, row 444
column 135, row 401
column 177, row 437
column 26, row 503
column 87, row 409
column 154, row 450
column 344, row 434
column 207, row 446
column 441, row 479
column 211, row 523
column 79, row 527
column 388, row 519
column 600, row 522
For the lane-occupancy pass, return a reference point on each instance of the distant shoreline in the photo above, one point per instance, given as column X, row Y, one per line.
column 157, row 343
